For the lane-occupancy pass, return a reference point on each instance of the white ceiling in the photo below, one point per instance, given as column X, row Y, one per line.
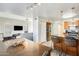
column 15, row 8
column 52, row 10
column 49, row 10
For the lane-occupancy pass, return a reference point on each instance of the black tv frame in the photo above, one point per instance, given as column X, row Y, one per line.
column 18, row 28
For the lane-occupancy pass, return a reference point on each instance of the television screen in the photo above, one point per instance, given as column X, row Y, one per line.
column 18, row 27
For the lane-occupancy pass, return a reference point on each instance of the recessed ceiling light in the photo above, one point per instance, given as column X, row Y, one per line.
column 33, row 5
column 73, row 7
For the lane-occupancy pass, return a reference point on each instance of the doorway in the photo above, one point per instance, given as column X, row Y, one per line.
column 48, row 31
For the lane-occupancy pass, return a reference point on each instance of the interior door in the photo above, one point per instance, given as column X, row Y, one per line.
column 48, row 31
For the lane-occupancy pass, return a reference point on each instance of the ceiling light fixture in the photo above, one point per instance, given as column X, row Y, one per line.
column 69, row 14
column 33, row 5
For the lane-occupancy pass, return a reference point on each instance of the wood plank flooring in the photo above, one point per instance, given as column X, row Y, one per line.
column 27, row 49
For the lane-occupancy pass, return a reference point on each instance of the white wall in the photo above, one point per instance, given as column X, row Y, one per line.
column 30, row 25
column 42, row 31
column 57, row 28
column 39, row 30
column 36, row 30
column 7, row 26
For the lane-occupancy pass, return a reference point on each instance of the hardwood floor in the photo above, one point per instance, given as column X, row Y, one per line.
column 27, row 49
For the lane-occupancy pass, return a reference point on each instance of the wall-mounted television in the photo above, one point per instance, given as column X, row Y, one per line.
column 17, row 28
